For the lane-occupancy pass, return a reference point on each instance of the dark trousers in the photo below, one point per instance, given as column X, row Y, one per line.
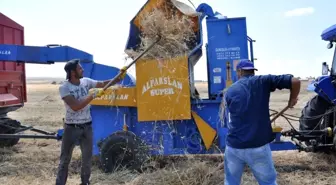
column 71, row 135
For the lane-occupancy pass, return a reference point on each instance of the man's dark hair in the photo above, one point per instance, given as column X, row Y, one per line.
column 71, row 65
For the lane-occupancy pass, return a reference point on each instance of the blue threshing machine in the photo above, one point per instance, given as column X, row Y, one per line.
column 201, row 131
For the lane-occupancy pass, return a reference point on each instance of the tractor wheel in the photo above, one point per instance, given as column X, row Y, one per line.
column 8, row 126
column 122, row 150
column 315, row 107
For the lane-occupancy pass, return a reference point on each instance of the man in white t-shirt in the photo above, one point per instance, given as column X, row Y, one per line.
column 76, row 96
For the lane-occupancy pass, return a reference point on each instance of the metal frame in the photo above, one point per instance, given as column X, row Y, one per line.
column 22, row 128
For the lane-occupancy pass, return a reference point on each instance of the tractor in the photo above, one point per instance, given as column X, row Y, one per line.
column 317, row 123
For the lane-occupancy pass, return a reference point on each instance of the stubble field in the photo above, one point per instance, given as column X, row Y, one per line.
column 35, row 161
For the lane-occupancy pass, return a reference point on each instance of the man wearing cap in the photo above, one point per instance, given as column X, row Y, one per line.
column 77, row 95
column 249, row 126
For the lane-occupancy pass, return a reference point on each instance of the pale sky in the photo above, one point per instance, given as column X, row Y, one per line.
column 287, row 33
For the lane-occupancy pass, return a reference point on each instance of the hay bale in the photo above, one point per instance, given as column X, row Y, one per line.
column 176, row 31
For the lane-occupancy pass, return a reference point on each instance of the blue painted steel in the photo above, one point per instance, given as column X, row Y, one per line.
column 206, row 10
column 227, row 42
column 324, row 87
column 283, row 145
column 311, row 87
column 87, row 67
column 60, row 133
column 133, row 39
column 104, row 72
column 209, row 111
column 278, row 145
column 107, row 120
column 178, row 137
column 329, row 34
column 41, row 55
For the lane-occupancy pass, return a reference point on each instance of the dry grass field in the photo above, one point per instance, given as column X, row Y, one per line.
column 35, row 161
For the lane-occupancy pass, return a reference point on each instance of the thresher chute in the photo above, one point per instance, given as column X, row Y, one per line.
column 167, row 113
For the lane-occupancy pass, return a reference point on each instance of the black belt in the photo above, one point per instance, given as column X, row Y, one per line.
column 81, row 125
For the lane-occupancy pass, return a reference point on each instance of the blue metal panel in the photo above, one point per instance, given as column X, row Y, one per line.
column 41, row 55
column 227, row 42
column 8, row 52
column 324, row 88
column 133, row 38
column 66, row 53
column 87, row 67
column 104, row 72
column 329, row 34
column 209, row 112
column 205, row 9
column 280, row 146
column 105, row 121
column 159, row 135
column 149, row 132
column 168, row 138
column 311, row 87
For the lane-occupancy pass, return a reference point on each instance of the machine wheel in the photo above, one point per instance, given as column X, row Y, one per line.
column 8, row 126
column 122, row 150
column 316, row 106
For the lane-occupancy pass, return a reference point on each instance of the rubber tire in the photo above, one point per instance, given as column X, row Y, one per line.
column 316, row 106
column 6, row 130
column 116, row 145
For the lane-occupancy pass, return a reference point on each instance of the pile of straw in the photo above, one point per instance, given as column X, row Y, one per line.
column 176, row 33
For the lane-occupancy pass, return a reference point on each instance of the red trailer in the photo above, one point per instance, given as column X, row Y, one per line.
column 12, row 75
column 12, row 79
column 13, row 92
column 13, row 56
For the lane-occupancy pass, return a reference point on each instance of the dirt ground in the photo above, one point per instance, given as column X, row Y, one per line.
column 35, row 161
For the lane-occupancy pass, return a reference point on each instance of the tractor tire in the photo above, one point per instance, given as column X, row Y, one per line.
column 5, row 130
column 122, row 150
column 315, row 107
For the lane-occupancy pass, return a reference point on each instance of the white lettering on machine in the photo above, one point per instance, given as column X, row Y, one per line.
column 5, row 52
column 161, row 81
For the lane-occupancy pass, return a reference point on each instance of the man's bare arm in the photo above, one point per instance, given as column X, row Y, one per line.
column 76, row 104
column 294, row 91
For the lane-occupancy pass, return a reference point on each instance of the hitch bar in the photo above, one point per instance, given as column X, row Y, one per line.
column 14, row 136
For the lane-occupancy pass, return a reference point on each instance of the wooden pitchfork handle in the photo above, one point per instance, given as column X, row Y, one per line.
column 133, row 62
column 279, row 114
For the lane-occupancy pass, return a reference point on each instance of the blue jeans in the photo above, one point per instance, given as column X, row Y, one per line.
column 258, row 159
